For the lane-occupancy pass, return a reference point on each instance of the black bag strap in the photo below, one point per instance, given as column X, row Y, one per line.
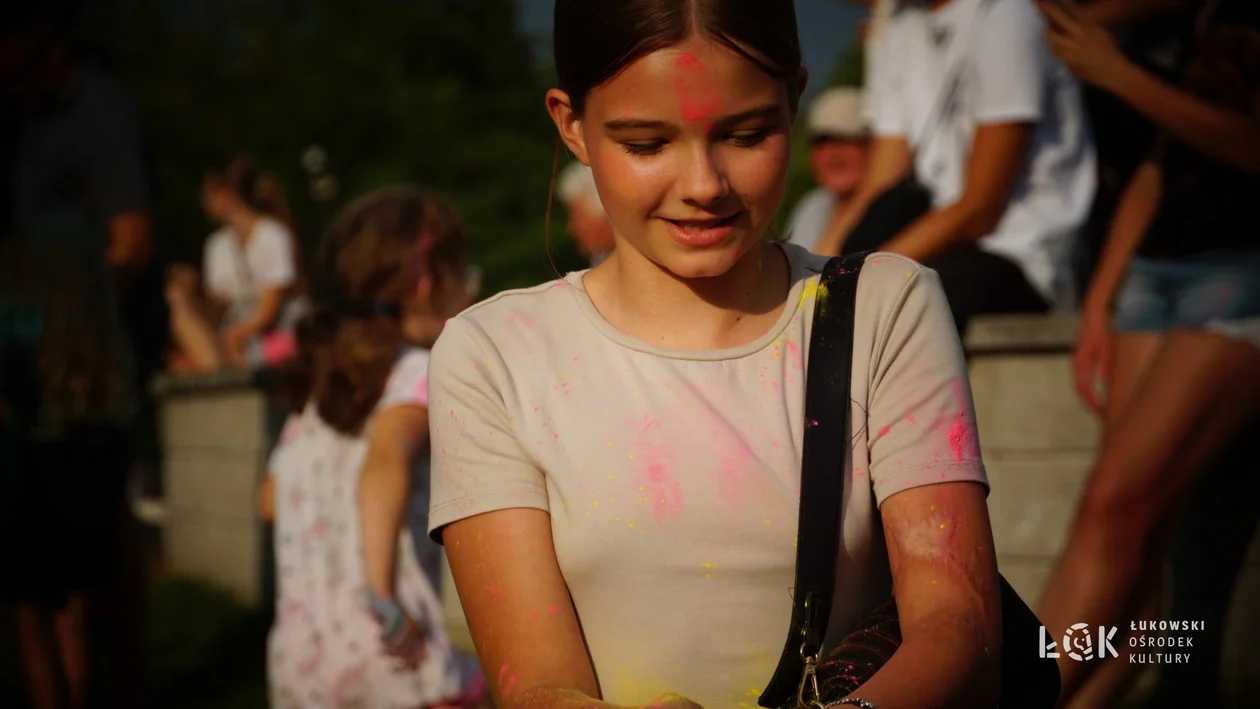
column 827, row 376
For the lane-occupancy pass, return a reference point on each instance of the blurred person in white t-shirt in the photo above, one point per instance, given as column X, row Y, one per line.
column 839, row 140
column 588, row 223
column 251, row 300
column 965, row 97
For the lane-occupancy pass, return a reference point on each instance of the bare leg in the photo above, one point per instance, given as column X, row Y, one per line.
column 72, row 639
column 194, row 333
column 1133, row 354
column 37, row 657
column 1199, row 390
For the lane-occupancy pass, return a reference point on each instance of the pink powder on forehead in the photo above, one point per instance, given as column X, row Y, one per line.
column 698, row 98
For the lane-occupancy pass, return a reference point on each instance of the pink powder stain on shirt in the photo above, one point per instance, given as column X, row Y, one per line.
column 655, row 475
column 962, row 437
column 883, row 431
column 422, row 391
column 794, row 354
column 697, row 96
column 731, row 490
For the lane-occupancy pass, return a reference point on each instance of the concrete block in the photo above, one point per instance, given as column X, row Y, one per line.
column 233, row 419
column 1032, row 501
column 222, row 551
column 1027, row 403
column 1054, row 332
column 220, row 483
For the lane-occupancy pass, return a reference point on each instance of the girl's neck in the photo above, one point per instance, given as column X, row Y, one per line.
column 645, row 301
column 243, row 224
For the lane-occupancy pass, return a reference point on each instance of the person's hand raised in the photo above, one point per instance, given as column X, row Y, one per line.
column 1088, row 50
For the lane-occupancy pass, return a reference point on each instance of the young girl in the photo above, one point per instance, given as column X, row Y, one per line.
column 251, row 276
column 67, row 396
column 358, row 622
column 617, row 453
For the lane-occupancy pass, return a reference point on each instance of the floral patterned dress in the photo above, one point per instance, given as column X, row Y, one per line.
column 324, row 649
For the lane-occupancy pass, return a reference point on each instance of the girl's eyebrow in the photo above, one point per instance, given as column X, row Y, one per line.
column 768, row 110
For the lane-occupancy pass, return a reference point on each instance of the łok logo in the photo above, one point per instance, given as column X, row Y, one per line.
column 1079, row 645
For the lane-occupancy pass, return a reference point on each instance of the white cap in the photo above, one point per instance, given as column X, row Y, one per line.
column 576, row 181
column 838, row 112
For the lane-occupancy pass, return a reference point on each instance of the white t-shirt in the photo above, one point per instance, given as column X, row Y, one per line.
column 810, row 217
column 673, row 477
column 995, row 57
column 239, row 275
column 324, row 648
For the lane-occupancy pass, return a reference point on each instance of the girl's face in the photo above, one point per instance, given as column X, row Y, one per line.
column 216, row 199
column 689, row 147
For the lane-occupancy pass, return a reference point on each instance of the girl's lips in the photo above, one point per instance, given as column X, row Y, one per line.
column 700, row 233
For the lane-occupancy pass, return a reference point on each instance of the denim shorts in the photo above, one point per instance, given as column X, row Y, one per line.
column 1189, row 293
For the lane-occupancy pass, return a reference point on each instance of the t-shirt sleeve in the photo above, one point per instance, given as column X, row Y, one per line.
column 921, row 421
column 1012, row 63
column 115, row 161
column 884, row 98
column 408, row 383
column 272, row 258
column 478, row 464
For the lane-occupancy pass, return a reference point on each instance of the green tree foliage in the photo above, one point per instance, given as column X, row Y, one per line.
column 444, row 93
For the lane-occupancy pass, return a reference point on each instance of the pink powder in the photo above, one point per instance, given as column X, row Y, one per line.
column 664, row 492
column 278, row 346
column 698, row 99
column 553, row 610
column 422, row 391
column 960, row 438
column 493, row 591
column 794, row 353
column 882, row 432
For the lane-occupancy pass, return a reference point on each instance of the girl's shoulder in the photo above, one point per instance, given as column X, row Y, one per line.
column 521, row 318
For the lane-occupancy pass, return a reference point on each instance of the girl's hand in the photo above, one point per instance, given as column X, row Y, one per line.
column 406, row 643
column 1088, row 50
column 1091, row 360
column 235, row 341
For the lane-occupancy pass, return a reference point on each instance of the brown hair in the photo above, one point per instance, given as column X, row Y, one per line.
column 255, row 186
column 375, row 254
column 594, row 40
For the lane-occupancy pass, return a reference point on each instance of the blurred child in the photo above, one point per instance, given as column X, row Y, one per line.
column 66, row 398
column 358, row 619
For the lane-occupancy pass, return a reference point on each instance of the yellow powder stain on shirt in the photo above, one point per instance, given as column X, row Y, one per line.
column 631, row 457
column 814, row 289
column 611, row 476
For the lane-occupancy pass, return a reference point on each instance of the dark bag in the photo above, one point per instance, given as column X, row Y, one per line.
column 801, row 680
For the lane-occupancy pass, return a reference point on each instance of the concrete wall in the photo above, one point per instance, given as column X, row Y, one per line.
column 215, row 442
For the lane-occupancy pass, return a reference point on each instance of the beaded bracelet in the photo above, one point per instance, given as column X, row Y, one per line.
column 854, row 701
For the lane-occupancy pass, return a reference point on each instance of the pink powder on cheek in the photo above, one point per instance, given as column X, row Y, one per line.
column 697, row 96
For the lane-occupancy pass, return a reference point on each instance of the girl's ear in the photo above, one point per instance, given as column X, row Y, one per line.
column 568, row 123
